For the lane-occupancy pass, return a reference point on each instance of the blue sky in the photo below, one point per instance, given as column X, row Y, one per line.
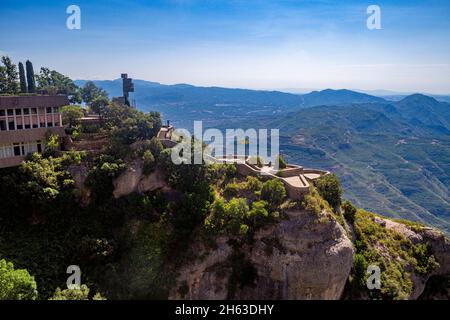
column 271, row 44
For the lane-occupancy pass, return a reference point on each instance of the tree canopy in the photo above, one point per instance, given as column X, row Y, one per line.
column 31, row 79
column 16, row 284
column 53, row 82
column 23, row 81
column 330, row 189
column 8, row 76
column 90, row 92
column 71, row 115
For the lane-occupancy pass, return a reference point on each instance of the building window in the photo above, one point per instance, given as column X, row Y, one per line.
column 2, row 125
column 16, row 150
column 42, row 121
column 26, row 111
column 19, row 123
column 10, row 112
column 5, row 151
column 48, row 110
column 2, row 113
column 18, row 112
column 33, row 110
column 11, row 125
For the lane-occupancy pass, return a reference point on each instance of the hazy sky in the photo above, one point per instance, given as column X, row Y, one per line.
column 238, row 43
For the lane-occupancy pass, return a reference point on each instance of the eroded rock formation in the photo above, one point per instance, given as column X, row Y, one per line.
column 302, row 257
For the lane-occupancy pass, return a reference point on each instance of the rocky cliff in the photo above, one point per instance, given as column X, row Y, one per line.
column 134, row 180
column 301, row 257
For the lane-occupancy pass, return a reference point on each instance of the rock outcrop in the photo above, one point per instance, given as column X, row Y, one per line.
column 440, row 246
column 134, row 180
column 301, row 257
column 79, row 174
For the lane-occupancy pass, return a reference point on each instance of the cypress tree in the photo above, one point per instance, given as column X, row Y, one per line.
column 23, row 82
column 30, row 77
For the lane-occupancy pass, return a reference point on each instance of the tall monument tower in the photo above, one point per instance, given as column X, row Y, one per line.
column 127, row 86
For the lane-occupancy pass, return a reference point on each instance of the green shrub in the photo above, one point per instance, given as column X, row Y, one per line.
column 52, row 145
column 330, row 189
column 153, row 145
column 81, row 293
column 227, row 217
column 258, row 214
column 311, row 204
column 149, row 162
column 71, row 115
column 282, row 164
column 46, row 178
column 359, row 270
column 243, row 229
column 101, row 176
column 273, row 192
column 16, row 284
column 253, row 184
column 349, row 210
column 396, row 283
column 236, row 210
column 215, row 220
column 374, row 242
column 231, row 190
column 426, row 262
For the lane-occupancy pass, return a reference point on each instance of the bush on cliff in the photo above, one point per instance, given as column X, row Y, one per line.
column 330, row 189
column 273, row 192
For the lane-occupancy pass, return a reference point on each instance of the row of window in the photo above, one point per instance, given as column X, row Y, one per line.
column 20, row 149
column 27, row 111
column 12, row 124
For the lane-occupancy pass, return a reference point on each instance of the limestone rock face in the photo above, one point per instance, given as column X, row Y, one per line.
column 441, row 249
column 440, row 246
column 302, row 257
column 79, row 174
column 206, row 278
column 133, row 180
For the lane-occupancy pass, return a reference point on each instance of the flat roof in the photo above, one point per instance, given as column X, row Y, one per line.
column 33, row 101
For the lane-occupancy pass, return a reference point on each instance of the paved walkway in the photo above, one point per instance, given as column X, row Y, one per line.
column 295, row 181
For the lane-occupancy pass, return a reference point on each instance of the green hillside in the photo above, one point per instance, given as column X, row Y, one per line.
column 388, row 163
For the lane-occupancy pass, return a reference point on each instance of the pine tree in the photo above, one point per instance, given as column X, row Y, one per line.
column 30, row 77
column 23, row 82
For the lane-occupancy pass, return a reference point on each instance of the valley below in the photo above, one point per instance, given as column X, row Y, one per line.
column 393, row 157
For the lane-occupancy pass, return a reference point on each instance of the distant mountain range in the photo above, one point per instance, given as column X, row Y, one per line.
column 192, row 101
column 183, row 103
column 393, row 157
